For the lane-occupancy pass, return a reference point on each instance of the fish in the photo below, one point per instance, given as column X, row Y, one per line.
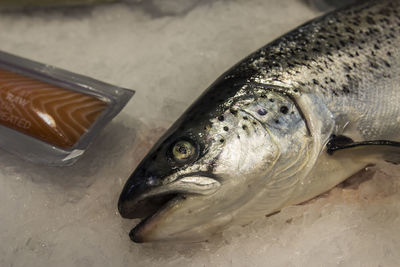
column 284, row 125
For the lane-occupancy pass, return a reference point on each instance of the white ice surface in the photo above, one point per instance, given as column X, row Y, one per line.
column 169, row 55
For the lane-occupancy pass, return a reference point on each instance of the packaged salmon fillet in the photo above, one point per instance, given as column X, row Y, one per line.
column 49, row 115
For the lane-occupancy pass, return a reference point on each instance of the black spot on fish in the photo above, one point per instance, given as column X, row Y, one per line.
column 221, row 118
column 233, row 111
column 271, row 100
column 255, row 123
column 349, row 30
column 346, row 89
column 277, row 121
column 347, row 68
column 221, row 140
column 245, row 118
column 370, row 20
column 226, row 128
column 284, row 109
column 386, row 63
column 373, row 65
column 315, row 82
column 244, row 127
column 262, row 111
column 376, row 47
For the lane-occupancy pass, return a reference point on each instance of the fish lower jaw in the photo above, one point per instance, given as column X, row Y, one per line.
column 146, row 230
column 180, row 220
column 139, row 234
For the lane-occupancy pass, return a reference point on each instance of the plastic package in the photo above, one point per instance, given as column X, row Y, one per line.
column 49, row 115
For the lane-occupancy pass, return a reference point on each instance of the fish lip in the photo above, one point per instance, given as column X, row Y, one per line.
column 137, row 233
column 142, row 207
column 130, row 202
column 136, row 196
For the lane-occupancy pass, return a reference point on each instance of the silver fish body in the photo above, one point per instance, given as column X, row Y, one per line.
column 284, row 125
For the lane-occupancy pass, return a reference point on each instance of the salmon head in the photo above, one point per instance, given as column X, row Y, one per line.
column 231, row 156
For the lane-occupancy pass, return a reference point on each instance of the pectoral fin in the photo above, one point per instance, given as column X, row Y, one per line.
column 372, row 150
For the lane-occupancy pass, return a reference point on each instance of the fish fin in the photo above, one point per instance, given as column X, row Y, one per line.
column 341, row 159
column 386, row 150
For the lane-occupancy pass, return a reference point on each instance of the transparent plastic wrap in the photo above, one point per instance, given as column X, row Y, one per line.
column 49, row 115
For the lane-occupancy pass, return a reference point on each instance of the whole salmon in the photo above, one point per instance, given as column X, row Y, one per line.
column 284, row 125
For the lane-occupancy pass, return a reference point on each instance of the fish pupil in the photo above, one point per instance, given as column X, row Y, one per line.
column 182, row 149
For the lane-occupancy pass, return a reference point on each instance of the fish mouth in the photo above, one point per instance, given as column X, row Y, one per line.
column 152, row 203
column 141, row 233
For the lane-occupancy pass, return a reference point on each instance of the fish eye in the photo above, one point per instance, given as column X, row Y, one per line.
column 183, row 151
